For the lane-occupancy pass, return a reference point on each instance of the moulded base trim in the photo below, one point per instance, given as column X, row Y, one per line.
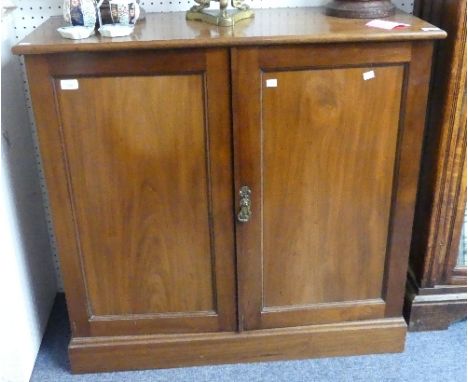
column 433, row 308
column 96, row 354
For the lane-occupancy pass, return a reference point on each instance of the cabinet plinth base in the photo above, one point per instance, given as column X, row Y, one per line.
column 433, row 308
column 436, row 315
column 165, row 351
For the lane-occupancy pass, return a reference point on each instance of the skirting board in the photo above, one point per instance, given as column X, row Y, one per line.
column 98, row 354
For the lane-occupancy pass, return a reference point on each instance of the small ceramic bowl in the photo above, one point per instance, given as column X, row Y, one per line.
column 115, row 30
column 76, row 32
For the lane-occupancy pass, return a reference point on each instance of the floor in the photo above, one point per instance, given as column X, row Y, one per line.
column 438, row 356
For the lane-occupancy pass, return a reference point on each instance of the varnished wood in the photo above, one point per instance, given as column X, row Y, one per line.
column 433, row 308
column 270, row 26
column 322, row 313
column 126, row 63
column 436, row 315
column 314, row 214
column 442, row 190
column 455, row 274
column 442, row 289
column 272, row 58
column 48, row 124
column 246, row 75
column 143, row 352
column 294, row 149
column 444, row 154
column 407, row 169
column 136, row 210
column 140, row 164
column 144, row 267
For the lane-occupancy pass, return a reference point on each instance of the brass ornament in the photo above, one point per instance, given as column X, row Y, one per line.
column 224, row 17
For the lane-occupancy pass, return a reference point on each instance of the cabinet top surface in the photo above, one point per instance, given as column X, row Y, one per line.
column 268, row 27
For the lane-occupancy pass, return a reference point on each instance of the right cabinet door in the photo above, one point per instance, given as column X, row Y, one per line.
column 328, row 140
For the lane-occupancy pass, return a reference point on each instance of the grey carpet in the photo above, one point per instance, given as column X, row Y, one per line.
column 438, row 356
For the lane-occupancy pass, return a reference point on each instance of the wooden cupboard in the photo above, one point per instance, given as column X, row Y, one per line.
column 436, row 286
column 225, row 195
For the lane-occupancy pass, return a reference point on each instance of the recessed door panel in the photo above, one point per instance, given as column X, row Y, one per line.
column 136, row 149
column 329, row 145
column 150, row 191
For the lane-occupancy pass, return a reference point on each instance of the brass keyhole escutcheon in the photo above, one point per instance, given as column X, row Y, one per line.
column 245, row 205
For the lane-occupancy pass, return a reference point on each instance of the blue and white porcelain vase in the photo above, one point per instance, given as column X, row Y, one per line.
column 82, row 12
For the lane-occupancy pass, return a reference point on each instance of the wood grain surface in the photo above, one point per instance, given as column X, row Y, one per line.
column 327, row 183
column 270, row 26
column 136, row 149
column 144, row 352
column 442, row 191
column 147, row 162
column 144, row 162
column 326, row 153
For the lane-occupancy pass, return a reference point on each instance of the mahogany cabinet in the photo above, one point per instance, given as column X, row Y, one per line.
column 228, row 195
column 436, row 286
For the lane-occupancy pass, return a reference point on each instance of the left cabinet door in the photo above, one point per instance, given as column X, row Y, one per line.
column 137, row 155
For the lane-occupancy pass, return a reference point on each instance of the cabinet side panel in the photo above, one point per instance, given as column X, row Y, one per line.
column 137, row 156
column 408, row 167
column 329, row 144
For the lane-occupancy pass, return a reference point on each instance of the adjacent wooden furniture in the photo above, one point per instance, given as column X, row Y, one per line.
column 361, row 9
column 436, row 290
column 146, row 157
